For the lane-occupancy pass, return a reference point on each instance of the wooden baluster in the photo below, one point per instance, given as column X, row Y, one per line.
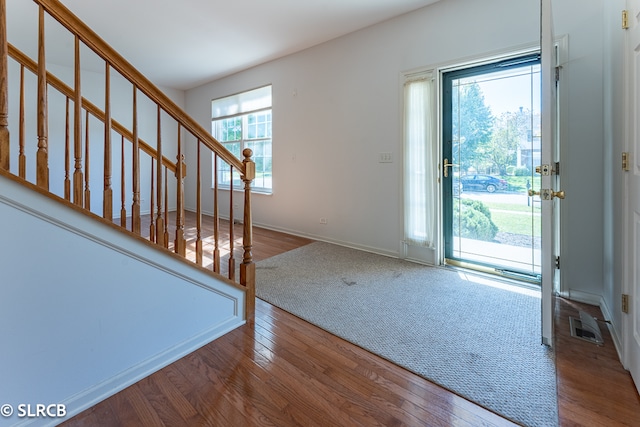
column 5, row 148
column 123, row 210
column 152, row 224
column 135, row 174
column 232, row 259
column 87, row 191
column 67, row 153
column 107, row 203
column 198, row 210
column 166, row 208
column 78, row 196
column 216, row 221
column 42, row 156
column 22, row 159
column 248, row 268
column 159, row 218
column 179, row 244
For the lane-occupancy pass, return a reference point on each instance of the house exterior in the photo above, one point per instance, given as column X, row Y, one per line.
column 337, row 105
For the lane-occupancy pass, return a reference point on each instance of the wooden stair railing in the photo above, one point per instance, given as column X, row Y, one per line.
column 77, row 183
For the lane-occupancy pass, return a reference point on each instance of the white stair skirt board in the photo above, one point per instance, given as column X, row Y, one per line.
column 89, row 311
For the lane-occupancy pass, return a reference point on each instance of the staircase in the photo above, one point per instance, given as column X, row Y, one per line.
column 86, row 169
column 123, row 155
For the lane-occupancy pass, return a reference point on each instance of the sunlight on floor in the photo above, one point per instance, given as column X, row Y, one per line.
column 494, row 283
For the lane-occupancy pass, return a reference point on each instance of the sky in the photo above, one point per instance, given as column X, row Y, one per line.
column 507, row 92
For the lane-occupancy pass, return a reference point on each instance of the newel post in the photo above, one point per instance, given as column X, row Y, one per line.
column 248, row 268
column 4, row 97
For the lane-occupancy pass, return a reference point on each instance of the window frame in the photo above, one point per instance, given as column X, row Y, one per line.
column 263, row 157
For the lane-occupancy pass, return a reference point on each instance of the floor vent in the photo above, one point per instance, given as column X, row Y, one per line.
column 586, row 328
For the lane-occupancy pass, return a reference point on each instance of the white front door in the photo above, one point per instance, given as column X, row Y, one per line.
column 548, row 191
column 631, row 320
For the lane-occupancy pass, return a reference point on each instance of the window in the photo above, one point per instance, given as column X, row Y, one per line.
column 244, row 121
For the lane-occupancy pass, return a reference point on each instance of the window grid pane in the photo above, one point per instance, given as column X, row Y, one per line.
column 253, row 131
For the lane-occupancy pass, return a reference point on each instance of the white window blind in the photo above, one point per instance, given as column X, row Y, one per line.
column 241, row 103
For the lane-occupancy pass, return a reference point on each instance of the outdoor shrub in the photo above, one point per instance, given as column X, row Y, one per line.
column 522, row 171
column 474, row 221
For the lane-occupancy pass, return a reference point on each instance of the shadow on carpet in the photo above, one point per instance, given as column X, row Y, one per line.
column 465, row 333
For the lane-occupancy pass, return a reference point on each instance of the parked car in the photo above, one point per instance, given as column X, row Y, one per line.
column 483, row 183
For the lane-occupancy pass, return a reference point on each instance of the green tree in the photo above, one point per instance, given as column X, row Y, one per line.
column 510, row 130
column 471, row 125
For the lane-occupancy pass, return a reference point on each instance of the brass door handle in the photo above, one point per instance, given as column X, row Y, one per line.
column 547, row 194
column 447, row 165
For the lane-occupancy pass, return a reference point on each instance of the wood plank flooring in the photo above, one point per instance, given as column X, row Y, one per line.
column 286, row 372
column 593, row 388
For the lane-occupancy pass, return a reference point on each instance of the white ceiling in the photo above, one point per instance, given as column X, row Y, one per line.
column 185, row 43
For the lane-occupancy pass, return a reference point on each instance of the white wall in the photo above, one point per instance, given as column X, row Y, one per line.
column 82, row 318
column 338, row 105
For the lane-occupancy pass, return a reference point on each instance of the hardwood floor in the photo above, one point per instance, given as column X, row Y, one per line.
column 286, row 372
column 593, row 387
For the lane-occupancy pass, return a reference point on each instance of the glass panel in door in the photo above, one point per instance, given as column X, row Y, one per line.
column 491, row 146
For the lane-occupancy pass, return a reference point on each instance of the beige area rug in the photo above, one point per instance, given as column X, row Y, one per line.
column 471, row 335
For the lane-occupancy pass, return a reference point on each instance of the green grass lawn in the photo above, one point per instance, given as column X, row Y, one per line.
column 519, row 183
column 516, row 223
column 512, row 217
column 513, row 206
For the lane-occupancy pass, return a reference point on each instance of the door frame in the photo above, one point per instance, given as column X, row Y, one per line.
column 561, row 44
column 549, row 181
column 630, row 287
column 445, row 150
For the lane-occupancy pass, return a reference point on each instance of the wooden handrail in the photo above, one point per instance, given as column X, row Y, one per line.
column 67, row 91
column 106, row 52
column 79, row 149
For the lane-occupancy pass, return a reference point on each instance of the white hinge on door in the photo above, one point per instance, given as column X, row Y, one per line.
column 557, row 263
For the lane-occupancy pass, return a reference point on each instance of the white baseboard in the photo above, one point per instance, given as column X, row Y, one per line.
column 393, row 254
column 90, row 397
column 613, row 330
column 584, row 297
